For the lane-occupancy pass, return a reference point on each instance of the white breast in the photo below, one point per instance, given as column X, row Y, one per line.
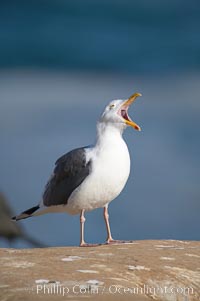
column 110, row 171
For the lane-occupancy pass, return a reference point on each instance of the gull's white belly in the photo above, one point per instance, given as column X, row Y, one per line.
column 110, row 171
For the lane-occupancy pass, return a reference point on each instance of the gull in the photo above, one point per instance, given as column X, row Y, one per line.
column 91, row 177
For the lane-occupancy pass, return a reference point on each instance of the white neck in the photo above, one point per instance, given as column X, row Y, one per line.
column 108, row 133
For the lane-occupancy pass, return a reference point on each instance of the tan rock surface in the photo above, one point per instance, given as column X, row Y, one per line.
column 144, row 270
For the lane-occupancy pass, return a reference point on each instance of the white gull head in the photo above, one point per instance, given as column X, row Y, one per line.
column 116, row 114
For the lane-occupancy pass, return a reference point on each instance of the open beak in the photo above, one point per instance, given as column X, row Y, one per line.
column 123, row 111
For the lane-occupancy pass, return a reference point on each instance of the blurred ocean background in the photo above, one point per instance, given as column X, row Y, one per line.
column 61, row 62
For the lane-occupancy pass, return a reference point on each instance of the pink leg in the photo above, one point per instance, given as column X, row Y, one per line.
column 82, row 241
column 106, row 218
column 82, row 222
column 109, row 239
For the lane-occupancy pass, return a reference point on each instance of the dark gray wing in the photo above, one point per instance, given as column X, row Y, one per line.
column 70, row 171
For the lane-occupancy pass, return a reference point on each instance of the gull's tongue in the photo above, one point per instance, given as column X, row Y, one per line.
column 124, row 114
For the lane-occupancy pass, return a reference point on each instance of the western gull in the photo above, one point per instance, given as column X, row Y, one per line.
column 91, row 177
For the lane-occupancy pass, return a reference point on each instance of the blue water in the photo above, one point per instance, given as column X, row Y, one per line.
column 103, row 35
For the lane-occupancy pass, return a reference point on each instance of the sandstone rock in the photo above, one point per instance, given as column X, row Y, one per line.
column 144, row 270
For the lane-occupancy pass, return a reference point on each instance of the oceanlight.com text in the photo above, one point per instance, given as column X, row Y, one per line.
column 79, row 289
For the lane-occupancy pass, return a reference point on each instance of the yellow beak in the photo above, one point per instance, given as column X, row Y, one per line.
column 126, row 104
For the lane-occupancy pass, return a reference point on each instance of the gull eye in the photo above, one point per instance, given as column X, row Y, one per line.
column 111, row 106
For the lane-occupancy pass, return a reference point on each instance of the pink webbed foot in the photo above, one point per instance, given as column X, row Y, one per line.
column 84, row 244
